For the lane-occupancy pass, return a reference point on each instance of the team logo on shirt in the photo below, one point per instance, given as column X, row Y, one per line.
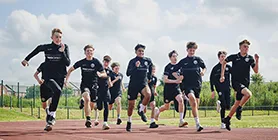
column 220, row 93
column 227, row 69
column 166, row 101
column 43, row 99
column 128, row 96
column 92, row 65
column 172, row 68
column 107, row 72
column 153, row 79
column 146, row 63
column 195, row 62
column 49, row 49
column 247, row 59
column 185, row 64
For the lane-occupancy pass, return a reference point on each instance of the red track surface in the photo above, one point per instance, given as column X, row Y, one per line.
column 74, row 130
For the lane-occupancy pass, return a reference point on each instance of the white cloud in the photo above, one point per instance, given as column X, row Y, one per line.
column 114, row 27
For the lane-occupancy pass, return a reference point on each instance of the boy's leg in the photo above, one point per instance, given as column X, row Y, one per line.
column 194, row 105
column 119, row 109
column 180, row 100
column 147, row 95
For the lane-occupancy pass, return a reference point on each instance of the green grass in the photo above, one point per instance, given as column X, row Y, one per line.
column 11, row 115
column 261, row 119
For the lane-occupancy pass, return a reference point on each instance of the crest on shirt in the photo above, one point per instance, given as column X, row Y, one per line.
column 220, row 93
column 247, row 59
column 195, row 62
column 172, row 68
column 128, row 96
column 43, row 99
column 227, row 68
column 92, row 65
column 153, row 79
column 107, row 72
column 146, row 63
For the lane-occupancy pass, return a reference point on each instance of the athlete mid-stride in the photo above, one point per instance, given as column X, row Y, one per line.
column 56, row 61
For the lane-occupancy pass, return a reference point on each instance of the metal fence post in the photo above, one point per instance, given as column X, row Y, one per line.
column 18, row 94
column 21, row 104
column 67, row 112
column 2, row 93
column 39, row 113
column 11, row 102
column 32, row 108
column 34, row 96
column 83, row 113
column 174, row 113
column 113, row 112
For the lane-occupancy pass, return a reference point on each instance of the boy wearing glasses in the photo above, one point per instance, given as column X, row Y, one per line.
column 56, row 62
column 140, row 70
column 241, row 63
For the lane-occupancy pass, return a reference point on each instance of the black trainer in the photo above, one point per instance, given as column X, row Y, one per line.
column 153, row 125
column 200, row 128
column 51, row 120
column 238, row 113
column 119, row 121
column 48, row 128
column 143, row 116
column 81, row 104
column 128, row 127
column 88, row 123
column 227, row 122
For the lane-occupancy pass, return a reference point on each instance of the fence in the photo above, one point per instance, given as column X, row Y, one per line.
column 13, row 98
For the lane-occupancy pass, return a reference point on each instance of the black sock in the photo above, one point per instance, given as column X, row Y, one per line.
column 228, row 117
column 239, row 107
column 88, row 117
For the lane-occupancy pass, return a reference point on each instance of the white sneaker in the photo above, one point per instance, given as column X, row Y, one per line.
column 183, row 123
column 223, row 126
column 156, row 114
column 105, row 126
column 218, row 107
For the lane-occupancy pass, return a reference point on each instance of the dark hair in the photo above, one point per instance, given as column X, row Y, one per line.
column 190, row 45
column 113, row 65
column 245, row 41
column 88, row 46
column 153, row 66
column 56, row 30
column 138, row 46
column 107, row 58
column 172, row 52
column 221, row 52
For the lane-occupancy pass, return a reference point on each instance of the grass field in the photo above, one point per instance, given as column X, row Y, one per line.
column 260, row 120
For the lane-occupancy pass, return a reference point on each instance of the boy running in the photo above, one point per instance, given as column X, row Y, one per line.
column 139, row 69
column 241, row 63
column 91, row 70
column 223, row 89
column 56, row 61
column 192, row 68
column 172, row 91
column 116, row 90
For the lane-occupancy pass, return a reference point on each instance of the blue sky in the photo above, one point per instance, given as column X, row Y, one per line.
column 114, row 27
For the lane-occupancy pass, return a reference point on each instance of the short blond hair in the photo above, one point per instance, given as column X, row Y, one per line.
column 56, row 30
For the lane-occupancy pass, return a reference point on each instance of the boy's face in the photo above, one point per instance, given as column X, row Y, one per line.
column 244, row 48
column 191, row 51
column 106, row 63
column 140, row 52
column 116, row 69
column 174, row 58
column 89, row 52
column 222, row 57
column 153, row 70
column 57, row 38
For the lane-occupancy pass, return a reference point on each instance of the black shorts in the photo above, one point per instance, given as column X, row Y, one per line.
column 195, row 90
column 225, row 99
column 92, row 89
column 114, row 95
column 133, row 91
column 238, row 87
column 170, row 93
column 103, row 95
column 46, row 92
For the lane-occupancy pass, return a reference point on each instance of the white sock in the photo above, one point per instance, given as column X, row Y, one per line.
column 142, row 107
column 129, row 119
column 181, row 116
column 96, row 115
column 47, row 110
column 119, row 116
column 197, row 121
column 52, row 113
column 105, row 123
column 152, row 120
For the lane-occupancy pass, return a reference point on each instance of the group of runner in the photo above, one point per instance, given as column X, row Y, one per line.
column 101, row 87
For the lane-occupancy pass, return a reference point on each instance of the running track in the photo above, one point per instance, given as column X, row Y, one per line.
column 74, row 130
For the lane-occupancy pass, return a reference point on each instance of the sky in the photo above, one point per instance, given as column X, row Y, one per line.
column 115, row 27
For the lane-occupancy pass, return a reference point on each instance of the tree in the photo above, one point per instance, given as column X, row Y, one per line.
column 257, row 78
column 30, row 92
